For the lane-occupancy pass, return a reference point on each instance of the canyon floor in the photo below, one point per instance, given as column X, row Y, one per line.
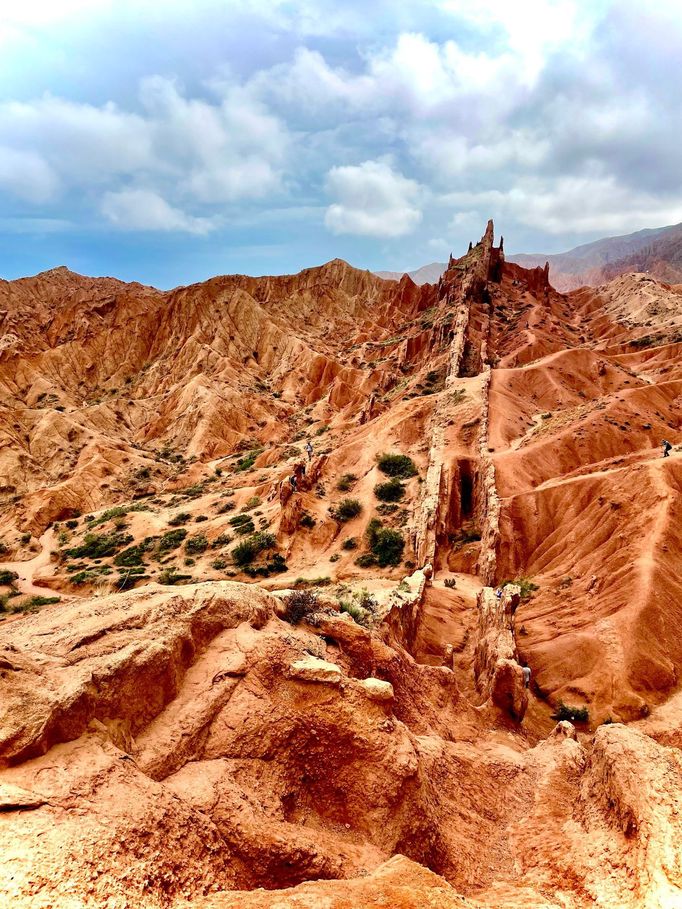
column 276, row 556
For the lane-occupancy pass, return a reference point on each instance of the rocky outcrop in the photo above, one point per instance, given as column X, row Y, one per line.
column 498, row 674
column 487, row 498
column 398, row 882
column 312, row 669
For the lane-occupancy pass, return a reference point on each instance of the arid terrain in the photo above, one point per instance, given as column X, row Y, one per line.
column 275, row 557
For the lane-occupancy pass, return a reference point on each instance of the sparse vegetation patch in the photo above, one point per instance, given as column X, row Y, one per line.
column 397, row 465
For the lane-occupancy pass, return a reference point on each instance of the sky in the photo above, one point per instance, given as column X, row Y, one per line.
column 170, row 141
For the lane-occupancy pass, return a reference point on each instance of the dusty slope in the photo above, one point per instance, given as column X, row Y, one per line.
column 181, row 742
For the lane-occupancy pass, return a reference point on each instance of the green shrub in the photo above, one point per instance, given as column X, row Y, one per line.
column 346, row 482
column 98, row 546
column 7, row 576
column 83, row 577
column 171, row 576
column 247, row 462
column 38, row 601
column 312, row 582
column 219, row 564
column 299, row 605
column 253, row 502
column 225, row 507
column 387, row 545
column 244, row 528
column 131, row 556
column 245, row 552
column 350, row 543
column 181, row 518
column 390, row 491
column 385, row 509
column 129, row 580
column 119, row 511
column 196, row 544
column 372, row 530
column 200, row 517
column 572, row 714
column 365, row 560
column 397, row 465
column 347, row 509
column 277, row 565
column 72, row 524
column 306, row 520
column 357, row 613
column 238, row 519
column 171, row 539
column 222, row 540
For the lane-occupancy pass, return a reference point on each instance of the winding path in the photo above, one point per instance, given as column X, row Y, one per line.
column 27, row 570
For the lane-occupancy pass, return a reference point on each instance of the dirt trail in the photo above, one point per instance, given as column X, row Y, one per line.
column 27, row 570
column 448, row 617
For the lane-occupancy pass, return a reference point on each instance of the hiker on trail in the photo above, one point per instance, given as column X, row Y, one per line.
column 293, row 479
column 498, row 593
column 526, row 676
column 667, row 447
column 309, row 449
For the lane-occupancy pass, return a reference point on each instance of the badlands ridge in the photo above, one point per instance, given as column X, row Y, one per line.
column 219, row 688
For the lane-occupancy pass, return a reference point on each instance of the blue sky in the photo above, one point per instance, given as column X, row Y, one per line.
column 167, row 142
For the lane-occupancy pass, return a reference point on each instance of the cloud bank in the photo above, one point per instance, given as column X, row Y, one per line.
column 402, row 128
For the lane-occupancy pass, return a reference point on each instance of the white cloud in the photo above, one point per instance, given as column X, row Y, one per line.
column 141, row 209
column 184, row 153
column 533, row 28
column 569, row 205
column 26, row 175
column 83, row 143
column 414, row 76
column 372, row 200
column 225, row 151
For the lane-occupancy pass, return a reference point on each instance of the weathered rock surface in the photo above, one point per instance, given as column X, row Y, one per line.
column 221, row 773
column 168, row 746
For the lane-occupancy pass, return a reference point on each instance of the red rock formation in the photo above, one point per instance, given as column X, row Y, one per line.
column 182, row 745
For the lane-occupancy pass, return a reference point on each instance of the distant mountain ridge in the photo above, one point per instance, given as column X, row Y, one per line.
column 427, row 274
column 654, row 251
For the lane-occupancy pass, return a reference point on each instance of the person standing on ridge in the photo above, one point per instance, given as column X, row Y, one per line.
column 526, row 676
column 667, row 448
column 293, row 479
column 309, row 449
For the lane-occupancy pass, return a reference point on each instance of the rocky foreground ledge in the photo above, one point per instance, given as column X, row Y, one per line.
column 176, row 747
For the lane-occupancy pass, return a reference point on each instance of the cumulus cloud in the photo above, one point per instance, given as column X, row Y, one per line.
column 26, row 175
column 560, row 117
column 193, row 152
column 372, row 200
column 141, row 209
column 573, row 204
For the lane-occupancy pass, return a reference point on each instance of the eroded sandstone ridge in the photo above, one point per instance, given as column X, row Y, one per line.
column 325, row 590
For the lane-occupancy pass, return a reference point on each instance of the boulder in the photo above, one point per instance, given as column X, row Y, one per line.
column 377, row 689
column 311, row 669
